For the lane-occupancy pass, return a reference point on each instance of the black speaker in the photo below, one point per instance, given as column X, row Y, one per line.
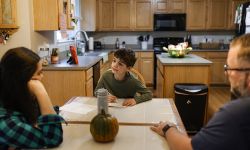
column 191, row 103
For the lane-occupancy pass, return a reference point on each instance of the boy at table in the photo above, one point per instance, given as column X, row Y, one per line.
column 121, row 83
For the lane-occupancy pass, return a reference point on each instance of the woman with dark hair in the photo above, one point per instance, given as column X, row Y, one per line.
column 27, row 117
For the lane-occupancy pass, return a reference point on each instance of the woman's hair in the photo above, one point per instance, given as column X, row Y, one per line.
column 127, row 56
column 244, row 44
column 17, row 67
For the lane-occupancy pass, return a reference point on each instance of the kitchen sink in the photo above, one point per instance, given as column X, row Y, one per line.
column 104, row 55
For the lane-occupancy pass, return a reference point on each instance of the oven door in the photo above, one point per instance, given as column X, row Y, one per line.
column 169, row 22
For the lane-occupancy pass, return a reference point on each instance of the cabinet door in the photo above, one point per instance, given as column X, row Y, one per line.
column 233, row 4
column 196, row 14
column 8, row 14
column 217, row 14
column 178, row 6
column 63, row 85
column 88, row 13
column 122, row 15
column 89, row 87
column 147, row 69
column 137, row 63
column 143, row 15
column 161, row 6
column 106, row 15
column 217, row 68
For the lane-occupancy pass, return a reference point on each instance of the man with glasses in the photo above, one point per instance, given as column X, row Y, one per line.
column 229, row 129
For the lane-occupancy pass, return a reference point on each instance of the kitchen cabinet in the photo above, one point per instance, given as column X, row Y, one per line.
column 143, row 15
column 125, row 15
column 105, row 15
column 217, row 71
column 62, row 85
column 232, row 8
column 212, row 14
column 52, row 15
column 170, row 6
column 8, row 14
column 88, row 14
column 144, row 64
column 217, row 68
column 104, row 66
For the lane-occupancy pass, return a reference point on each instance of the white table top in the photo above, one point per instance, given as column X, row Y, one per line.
column 78, row 137
column 146, row 113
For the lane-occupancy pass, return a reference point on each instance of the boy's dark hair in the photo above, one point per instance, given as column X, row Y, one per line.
column 127, row 56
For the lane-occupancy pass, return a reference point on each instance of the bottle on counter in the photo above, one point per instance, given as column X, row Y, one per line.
column 117, row 43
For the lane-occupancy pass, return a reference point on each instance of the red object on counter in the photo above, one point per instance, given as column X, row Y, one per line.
column 74, row 54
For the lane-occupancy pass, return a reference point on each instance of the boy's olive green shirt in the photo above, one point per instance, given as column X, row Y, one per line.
column 130, row 87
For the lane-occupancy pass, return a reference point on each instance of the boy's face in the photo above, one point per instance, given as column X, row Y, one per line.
column 119, row 67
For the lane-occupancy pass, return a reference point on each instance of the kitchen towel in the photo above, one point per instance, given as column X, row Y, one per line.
column 91, row 43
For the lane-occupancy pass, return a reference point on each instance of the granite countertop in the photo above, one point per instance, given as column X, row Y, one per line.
column 189, row 59
column 85, row 62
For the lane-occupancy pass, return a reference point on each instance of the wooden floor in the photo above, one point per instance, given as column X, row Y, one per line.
column 218, row 96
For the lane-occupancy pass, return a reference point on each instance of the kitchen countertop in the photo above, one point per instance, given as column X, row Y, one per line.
column 85, row 62
column 189, row 59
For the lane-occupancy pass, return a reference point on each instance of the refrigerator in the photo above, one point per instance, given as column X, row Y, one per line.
column 242, row 19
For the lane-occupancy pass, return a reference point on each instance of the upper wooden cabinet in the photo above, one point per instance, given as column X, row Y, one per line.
column 196, row 14
column 232, row 8
column 8, row 14
column 125, row 15
column 105, row 15
column 170, row 6
column 217, row 14
column 52, row 14
column 143, row 15
column 207, row 14
column 88, row 15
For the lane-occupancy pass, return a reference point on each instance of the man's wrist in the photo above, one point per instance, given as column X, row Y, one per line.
column 166, row 128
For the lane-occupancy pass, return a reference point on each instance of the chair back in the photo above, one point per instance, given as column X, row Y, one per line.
column 138, row 75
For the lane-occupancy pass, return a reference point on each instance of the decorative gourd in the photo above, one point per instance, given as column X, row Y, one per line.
column 104, row 127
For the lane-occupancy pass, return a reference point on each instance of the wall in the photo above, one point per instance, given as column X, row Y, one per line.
column 25, row 36
column 131, row 38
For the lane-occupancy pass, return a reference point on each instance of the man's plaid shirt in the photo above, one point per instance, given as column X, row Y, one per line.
column 17, row 133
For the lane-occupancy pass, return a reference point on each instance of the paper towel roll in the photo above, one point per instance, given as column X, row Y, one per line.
column 91, row 43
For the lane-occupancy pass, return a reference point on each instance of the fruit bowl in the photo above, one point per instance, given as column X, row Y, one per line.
column 178, row 51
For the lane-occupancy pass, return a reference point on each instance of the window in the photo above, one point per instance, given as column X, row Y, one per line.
column 68, row 35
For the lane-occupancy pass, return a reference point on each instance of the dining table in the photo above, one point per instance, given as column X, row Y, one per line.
column 134, row 124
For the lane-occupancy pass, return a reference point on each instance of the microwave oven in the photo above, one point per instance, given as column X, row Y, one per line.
column 169, row 22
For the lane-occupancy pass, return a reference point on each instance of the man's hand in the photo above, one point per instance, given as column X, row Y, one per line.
column 129, row 102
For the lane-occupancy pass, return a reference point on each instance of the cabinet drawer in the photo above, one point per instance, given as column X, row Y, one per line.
column 89, row 73
column 147, row 54
column 217, row 55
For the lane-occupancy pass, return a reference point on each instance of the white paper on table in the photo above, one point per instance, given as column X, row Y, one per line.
column 118, row 104
column 78, row 108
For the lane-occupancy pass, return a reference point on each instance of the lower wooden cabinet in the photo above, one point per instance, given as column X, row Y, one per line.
column 217, row 68
column 62, row 85
column 144, row 64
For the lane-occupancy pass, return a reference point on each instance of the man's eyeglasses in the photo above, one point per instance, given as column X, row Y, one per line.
column 226, row 68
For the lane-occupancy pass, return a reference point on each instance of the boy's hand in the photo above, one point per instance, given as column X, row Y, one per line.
column 129, row 102
column 111, row 98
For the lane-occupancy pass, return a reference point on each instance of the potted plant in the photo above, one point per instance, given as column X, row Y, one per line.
column 54, row 55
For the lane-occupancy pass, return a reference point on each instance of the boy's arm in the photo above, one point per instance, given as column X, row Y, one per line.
column 143, row 93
